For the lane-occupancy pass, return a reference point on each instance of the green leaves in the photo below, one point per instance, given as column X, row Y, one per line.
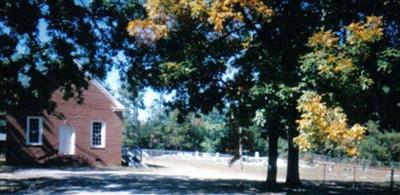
column 386, row 89
column 174, row 72
column 388, row 59
column 259, row 118
column 196, row 132
column 344, row 71
column 3, row 123
column 43, row 40
column 380, row 146
column 342, row 65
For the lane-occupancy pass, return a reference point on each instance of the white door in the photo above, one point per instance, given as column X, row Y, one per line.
column 66, row 140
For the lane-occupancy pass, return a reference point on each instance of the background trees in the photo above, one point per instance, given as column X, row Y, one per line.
column 196, row 132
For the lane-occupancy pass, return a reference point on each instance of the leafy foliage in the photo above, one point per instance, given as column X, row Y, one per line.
column 41, row 41
column 319, row 124
column 380, row 146
column 339, row 70
column 338, row 63
column 162, row 15
column 201, row 132
column 266, row 65
column 162, row 131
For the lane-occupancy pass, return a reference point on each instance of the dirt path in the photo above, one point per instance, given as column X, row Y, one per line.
column 162, row 176
column 159, row 180
column 204, row 169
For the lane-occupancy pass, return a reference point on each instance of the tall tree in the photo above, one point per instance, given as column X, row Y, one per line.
column 194, row 48
column 194, row 43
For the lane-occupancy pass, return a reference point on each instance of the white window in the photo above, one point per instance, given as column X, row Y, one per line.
column 98, row 138
column 34, row 130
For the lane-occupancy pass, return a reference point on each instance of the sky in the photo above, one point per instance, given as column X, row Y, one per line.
column 113, row 81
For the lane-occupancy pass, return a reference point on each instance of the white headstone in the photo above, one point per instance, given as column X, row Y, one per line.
column 3, row 136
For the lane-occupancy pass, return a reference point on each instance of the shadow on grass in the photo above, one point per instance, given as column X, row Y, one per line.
column 134, row 184
column 155, row 166
column 156, row 184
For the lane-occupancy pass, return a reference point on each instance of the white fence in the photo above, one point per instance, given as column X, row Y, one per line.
column 304, row 158
column 312, row 167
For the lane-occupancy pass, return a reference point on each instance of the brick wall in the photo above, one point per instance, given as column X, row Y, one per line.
column 96, row 106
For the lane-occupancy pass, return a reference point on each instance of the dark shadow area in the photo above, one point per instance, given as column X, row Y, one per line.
column 67, row 160
column 341, row 187
column 145, row 184
column 92, row 155
column 20, row 154
column 154, row 166
column 133, row 184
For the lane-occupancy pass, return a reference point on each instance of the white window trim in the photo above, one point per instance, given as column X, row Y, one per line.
column 27, row 138
column 103, row 134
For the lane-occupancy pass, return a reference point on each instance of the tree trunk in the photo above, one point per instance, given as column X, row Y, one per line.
column 292, row 175
column 272, row 157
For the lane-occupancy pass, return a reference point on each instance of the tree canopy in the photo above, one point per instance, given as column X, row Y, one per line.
column 50, row 45
column 264, row 63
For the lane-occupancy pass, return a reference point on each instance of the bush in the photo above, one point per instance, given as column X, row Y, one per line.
column 381, row 146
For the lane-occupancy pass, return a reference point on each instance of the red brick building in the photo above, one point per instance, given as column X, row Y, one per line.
column 88, row 134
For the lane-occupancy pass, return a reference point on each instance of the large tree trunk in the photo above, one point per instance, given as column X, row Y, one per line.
column 272, row 157
column 292, row 175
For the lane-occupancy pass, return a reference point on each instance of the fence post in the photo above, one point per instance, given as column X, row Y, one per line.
column 392, row 178
column 241, row 162
column 323, row 178
column 354, row 178
column 240, row 148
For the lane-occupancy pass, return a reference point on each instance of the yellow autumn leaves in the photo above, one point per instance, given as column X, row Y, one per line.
column 319, row 124
column 162, row 15
column 223, row 10
column 146, row 31
column 369, row 31
column 329, row 64
column 323, row 39
column 330, row 57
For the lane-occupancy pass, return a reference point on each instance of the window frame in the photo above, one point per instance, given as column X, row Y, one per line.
column 103, row 134
column 27, row 131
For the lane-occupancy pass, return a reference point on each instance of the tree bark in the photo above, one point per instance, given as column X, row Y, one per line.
column 272, row 157
column 292, row 175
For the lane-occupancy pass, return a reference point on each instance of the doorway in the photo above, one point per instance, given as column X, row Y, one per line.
column 66, row 140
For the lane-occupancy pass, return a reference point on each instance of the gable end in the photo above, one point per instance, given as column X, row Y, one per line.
column 117, row 107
